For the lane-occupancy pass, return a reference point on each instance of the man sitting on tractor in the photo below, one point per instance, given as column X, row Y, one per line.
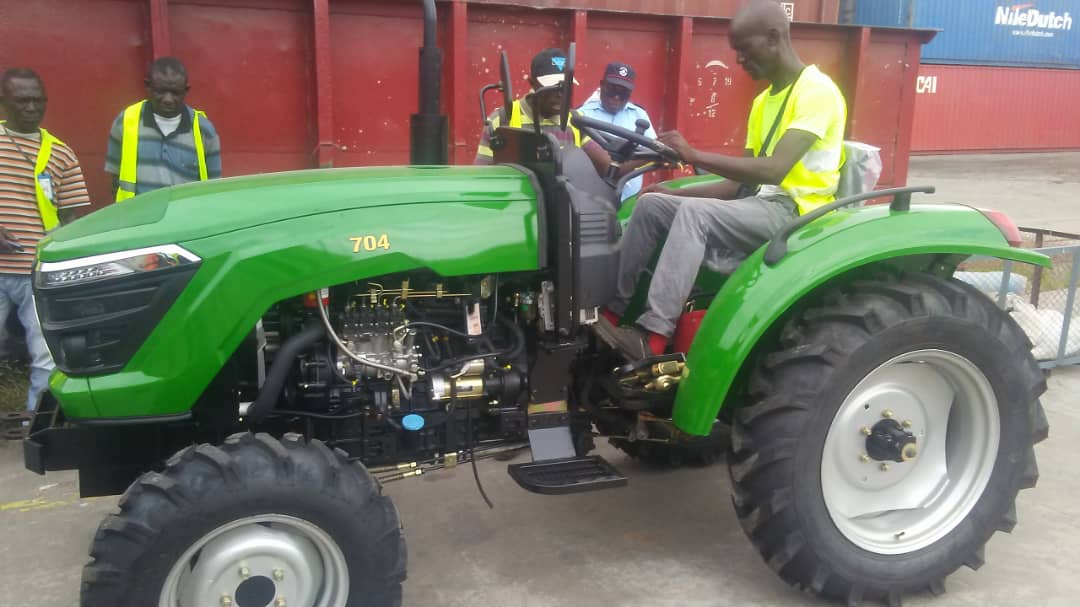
column 793, row 149
column 546, row 71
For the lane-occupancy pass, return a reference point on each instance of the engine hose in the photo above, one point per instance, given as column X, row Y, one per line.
column 279, row 370
column 515, row 352
column 519, row 337
column 333, row 364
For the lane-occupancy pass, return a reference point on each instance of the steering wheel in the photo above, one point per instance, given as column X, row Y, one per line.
column 598, row 128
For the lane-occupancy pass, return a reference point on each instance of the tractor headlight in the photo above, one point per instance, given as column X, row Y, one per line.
column 97, row 311
column 99, row 267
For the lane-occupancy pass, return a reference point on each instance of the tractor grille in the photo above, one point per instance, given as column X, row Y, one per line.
column 96, row 328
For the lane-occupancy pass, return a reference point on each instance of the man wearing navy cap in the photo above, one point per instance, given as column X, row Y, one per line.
column 611, row 103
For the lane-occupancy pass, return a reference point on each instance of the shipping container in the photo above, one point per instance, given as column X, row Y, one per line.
column 979, row 109
column 294, row 84
column 1026, row 33
column 815, row 11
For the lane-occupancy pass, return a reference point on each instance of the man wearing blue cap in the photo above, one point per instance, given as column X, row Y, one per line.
column 611, row 103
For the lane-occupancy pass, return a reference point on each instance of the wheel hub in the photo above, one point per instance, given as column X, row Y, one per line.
column 888, row 441
column 258, row 591
column 910, row 451
column 264, row 561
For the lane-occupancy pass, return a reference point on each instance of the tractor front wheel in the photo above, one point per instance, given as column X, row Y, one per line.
column 255, row 521
column 887, row 438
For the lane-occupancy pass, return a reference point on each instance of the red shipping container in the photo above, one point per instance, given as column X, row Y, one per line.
column 294, row 84
column 995, row 109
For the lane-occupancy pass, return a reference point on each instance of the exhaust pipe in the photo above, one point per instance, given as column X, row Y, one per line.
column 428, row 128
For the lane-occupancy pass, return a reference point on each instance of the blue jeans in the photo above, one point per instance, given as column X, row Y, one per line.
column 16, row 291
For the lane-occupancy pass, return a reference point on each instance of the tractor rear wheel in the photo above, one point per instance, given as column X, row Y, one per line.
column 887, row 438
column 255, row 521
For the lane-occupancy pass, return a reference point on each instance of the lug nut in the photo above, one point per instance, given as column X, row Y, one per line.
column 245, row 573
column 279, row 603
column 884, row 467
column 279, row 575
column 866, row 430
column 887, row 413
column 864, row 458
column 909, row 453
column 226, row 601
column 907, row 423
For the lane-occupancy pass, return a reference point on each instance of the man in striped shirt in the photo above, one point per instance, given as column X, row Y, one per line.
column 41, row 186
column 161, row 141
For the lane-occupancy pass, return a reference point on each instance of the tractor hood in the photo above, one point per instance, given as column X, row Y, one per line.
column 200, row 210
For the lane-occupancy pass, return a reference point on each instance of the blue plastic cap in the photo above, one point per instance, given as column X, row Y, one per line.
column 412, row 422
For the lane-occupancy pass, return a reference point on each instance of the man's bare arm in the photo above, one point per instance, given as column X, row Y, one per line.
column 599, row 157
column 757, row 170
column 723, row 190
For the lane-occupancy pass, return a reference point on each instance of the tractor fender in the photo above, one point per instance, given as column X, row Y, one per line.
column 758, row 295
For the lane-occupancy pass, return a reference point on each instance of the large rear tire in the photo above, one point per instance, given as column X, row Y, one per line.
column 255, row 521
column 887, row 438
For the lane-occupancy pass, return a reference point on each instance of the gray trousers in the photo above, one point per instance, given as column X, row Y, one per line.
column 693, row 226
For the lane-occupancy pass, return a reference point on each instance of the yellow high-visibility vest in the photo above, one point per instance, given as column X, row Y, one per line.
column 515, row 121
column 129, row 150
column 46, row 208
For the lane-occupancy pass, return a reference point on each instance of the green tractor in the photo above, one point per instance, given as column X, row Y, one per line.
column 249, row 360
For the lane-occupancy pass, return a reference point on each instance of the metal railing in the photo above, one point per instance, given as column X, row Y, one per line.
column 1042, row 300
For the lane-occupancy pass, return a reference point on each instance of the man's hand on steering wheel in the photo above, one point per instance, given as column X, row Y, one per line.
column 678, row 143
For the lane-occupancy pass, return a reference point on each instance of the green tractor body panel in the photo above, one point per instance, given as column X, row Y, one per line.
column 199, row 210
column 269, row 238
column 756, row 295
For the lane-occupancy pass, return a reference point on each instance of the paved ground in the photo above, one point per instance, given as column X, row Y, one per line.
column 1036, row 190
column 670, row 537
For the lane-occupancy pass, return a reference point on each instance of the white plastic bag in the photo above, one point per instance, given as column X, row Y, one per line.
column 1043, row 328
column 861, row 169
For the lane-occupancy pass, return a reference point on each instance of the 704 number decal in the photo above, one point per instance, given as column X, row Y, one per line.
column 370, row 243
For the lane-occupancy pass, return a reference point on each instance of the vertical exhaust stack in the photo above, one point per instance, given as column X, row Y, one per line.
column 428, row 127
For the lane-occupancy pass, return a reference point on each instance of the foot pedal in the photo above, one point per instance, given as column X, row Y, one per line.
column 569, row 475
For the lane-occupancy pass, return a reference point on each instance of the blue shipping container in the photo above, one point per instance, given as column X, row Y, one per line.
column 1032, row 33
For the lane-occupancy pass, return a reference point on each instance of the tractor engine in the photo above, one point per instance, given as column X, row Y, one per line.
column 409, row 374
column 370, row 332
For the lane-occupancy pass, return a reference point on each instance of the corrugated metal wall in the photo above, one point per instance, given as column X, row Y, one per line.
column 1032, row 33
column 294, row 84
column 1002, row 75
column 978, row 109
column 817, row 11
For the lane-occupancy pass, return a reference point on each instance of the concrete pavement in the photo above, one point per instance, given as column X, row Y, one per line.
column 669, row 538
column 1035, row 190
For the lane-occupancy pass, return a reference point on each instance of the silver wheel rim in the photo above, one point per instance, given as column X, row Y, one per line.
column 891, row 508
column 239, row 564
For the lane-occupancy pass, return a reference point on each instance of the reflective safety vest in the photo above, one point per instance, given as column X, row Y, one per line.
column 46, row 208
column 515, row 121
column 129, row 150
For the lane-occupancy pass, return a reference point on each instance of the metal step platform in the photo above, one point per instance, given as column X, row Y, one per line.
column 567, row 475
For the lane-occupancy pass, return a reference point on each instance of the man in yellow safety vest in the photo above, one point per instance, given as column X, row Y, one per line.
column 161, row 141
column 546, row 70
column 41, row 186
